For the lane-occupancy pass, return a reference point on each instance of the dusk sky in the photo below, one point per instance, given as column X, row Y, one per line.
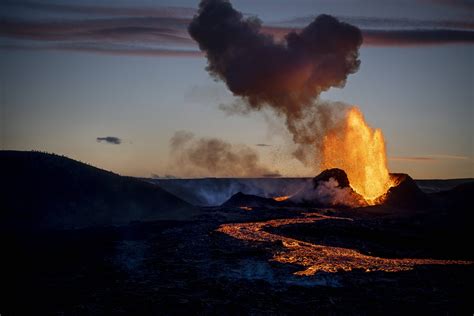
column 110, row 82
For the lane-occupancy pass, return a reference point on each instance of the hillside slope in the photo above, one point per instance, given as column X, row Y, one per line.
column 42, row 190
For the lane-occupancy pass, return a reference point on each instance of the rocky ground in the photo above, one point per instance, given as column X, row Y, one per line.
column 172, row 267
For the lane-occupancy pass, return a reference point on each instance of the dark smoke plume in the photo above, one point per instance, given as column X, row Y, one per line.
column 287, row 76
column 202, row 157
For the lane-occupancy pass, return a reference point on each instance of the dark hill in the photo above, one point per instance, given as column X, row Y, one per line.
column 406, row 194
column 240, row 199
column 42, row 190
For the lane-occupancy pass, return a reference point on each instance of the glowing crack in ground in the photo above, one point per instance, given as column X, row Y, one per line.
column 314, row 257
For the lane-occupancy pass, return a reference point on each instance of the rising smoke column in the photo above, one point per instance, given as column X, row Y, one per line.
column 286, row 76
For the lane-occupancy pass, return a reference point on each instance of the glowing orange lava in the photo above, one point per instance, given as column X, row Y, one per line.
column 281, row 198
column 246, row 208
column 315, row 257
column 359, row 150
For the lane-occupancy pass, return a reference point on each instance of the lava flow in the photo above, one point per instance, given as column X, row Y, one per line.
column 315, row 257
column 281, row 198
column 359, row 150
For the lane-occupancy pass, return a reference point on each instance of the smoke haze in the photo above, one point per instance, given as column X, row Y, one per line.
column 204, row 157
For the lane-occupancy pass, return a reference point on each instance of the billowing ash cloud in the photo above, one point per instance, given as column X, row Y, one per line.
column 254, row 66
column 203, row 157
column 286, row 76
column 109, row 140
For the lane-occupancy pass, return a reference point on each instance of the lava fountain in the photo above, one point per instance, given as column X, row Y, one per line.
column 359, row 150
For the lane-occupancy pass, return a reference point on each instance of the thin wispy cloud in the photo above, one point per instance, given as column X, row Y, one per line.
column 455, row 157
column 106, row 49
column 428, row 158
column 61, row 8
column 411, row 37
column 272, row 175
column 417, row 37
column 151, row 30
column 462, row 4
column 415, row 159
column 386, row 23
column 162, row 31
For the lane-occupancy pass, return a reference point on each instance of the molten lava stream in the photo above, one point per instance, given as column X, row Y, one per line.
column 359, row 150
column 314, row 258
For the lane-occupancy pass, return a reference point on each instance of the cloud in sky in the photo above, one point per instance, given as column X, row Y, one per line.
column 417, row 37
column 151, row 30
column 386, row 23
column 462, row 4
column 99, row 48
column 394, row 37
column 161, row 30
column 272, row 175
column 61, row 8
column 428, row 158
column 414, row 159
column 454, row 157
column 109, row 140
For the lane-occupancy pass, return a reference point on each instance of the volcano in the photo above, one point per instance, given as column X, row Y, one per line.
column 406, row 193
column 333, row 188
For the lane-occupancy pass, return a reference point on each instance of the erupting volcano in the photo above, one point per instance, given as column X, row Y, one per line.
column 183, row 207
column 359, row 150
column 288, row 77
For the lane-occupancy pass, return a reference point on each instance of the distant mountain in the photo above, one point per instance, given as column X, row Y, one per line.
column 215, row 191
column 240, row 199
column 41, row 190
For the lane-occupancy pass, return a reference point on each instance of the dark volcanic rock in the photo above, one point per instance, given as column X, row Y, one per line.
column 406, row 193
column 337, row 174
column 240, row 199
column 460, row 197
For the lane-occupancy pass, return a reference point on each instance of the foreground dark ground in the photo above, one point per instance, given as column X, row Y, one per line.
column 172, row 267
column 77, row 240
